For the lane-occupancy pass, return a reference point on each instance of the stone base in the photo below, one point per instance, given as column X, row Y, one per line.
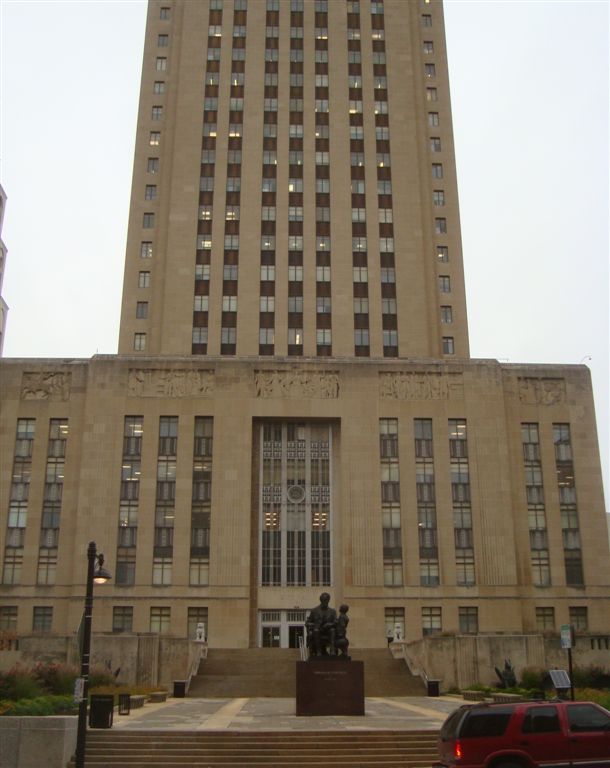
column 330, row 688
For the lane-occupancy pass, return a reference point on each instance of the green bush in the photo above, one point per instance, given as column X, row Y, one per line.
column 100, row 676
column 40, row 706
column 55, row 679
column 534, row 678
column 18, row 683
column 591, row 677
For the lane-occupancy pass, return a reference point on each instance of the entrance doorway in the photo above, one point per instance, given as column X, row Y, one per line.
column 281, row 629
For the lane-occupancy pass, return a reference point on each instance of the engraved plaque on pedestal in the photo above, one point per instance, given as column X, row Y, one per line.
column 330, row 688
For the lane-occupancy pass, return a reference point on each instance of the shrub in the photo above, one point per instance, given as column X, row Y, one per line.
column 99, row 677
column 591, row 677
column 591, row 694
column 40, row 706
column 18, row 683
column 56, row 679
column 535, row 678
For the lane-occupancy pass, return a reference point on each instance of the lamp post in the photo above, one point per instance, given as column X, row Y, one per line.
column 98, row 575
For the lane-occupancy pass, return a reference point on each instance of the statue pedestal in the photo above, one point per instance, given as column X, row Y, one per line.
column 330, row 688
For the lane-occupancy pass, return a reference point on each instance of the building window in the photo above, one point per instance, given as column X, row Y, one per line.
column 392, row 572
column 198, row 615
column 158, row 87
column 154, row 139
column 426, row 20
column 430, row 70
column 160, row 620
column 448, row 345
column 139, row 342
column 428, row 46
column 141, row 310
column 361, row 337
column 164, row 13
column 148, row 221
column 469, row 620
column 442, row 253
column 435, row 144
column 579, row 618
column 395, row 623
column 161, row 64
column 440, row 226
column 446, row 315
column 323, row 337
column 150, row 192
column 444, row 283
column 122, row 618
column 295, row 337
column 431, row 94
column 229, row 303
column 545, row 619
column 266, row 336
column 143, row 279
column 42, row 619
column 438, row 197
column 152, row 166
column 162, row 571
column 199, row 571
column 228, row 335
column 431, row 619
column 8, row 617
column 437, row 170
column 163, row 41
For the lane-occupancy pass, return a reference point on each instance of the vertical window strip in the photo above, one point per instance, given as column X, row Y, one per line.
column 165, row 502
column 390, row 503
column 536, row 510
column 429, row 572
column 131, row 468
column 462, row 510
column 566, row 486
column 201, row 504
column 18, row 501
column 203, row 252
column 52, row 499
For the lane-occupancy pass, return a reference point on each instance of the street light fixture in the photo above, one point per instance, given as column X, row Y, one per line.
column 97, row 574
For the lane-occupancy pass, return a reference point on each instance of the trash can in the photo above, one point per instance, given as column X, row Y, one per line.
column 434, row 687
column 124, row 703
column 179, row 689
column 101, row 709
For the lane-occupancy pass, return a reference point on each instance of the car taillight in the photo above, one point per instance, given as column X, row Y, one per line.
column 457, row 752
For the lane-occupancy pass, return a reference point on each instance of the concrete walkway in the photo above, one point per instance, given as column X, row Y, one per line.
column 404, row 713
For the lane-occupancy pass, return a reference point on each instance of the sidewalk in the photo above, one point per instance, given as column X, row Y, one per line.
column 404, row 713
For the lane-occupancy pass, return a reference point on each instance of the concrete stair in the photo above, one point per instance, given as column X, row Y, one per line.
column 270, row 672
column 328, row 749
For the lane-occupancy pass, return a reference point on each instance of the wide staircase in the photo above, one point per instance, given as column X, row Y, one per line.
column 270, row 672
column 327, row 749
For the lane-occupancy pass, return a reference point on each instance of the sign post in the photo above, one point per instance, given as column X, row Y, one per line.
column 567, row 641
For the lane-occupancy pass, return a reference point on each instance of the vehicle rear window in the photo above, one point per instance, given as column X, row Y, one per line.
column 541, row 720
column 584, row 717
column 491, row 722
column 450, row 726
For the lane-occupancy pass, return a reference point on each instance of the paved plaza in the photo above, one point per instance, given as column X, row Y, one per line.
column 399, row 713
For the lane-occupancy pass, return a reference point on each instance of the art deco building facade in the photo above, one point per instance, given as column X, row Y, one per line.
column 293, row 407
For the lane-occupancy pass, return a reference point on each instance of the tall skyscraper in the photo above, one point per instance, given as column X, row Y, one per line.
column 293, row 407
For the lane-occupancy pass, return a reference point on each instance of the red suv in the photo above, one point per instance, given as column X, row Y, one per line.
column 540, row 734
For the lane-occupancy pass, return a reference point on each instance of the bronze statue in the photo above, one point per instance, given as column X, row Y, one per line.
column 326, row 632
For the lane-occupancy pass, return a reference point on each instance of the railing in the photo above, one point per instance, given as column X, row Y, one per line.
column 198, row 651
column 302, row 648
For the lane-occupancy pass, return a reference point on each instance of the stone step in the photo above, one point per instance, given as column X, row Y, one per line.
column 275, row 749
column 270, row 672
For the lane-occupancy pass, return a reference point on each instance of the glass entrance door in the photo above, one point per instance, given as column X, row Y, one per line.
column 281, row 629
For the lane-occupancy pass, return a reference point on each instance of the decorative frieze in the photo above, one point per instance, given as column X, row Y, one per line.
column 541, row 391
column 421, row 386
column 155, row 382
column 297, row 384
column 46, row 385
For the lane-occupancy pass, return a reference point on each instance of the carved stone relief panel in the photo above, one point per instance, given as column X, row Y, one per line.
column 542, row 391
column 298, row 384
column 156, row 382
column 421, row 386
column 46, row 385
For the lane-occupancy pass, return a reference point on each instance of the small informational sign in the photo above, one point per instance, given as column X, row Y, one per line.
column 79, row 689
column 566, row 636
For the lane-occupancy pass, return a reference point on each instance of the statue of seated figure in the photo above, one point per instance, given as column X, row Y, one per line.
column 321, row 626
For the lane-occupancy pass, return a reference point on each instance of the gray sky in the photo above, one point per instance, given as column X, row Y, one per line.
column 529, row 83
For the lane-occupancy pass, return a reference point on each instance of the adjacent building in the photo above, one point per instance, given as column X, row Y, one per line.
column 293, row 408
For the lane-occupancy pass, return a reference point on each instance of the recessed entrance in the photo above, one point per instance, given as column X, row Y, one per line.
column 281, row 629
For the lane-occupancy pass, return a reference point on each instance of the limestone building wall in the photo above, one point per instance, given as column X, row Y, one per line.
column 352, row 400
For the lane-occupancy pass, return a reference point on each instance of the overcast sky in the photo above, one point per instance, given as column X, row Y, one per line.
column 529, row 84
